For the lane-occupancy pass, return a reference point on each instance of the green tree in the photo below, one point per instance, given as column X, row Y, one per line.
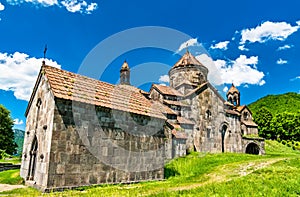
column 286, row 126
column 263, row 118
column 6, row 132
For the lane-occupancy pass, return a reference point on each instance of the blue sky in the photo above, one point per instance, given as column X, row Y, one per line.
column 255, row 45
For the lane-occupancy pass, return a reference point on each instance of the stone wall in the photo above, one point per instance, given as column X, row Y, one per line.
column 257, row 141
column 190, row 73
column 39, row 124
column 207, row 110
column 93, row 145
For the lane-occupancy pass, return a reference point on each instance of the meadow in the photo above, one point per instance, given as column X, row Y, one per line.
column 199, row 174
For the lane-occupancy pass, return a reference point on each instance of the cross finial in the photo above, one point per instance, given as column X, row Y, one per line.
column 45, row 51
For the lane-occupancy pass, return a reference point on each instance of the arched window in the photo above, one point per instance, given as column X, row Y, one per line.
column 208, row 114
column 32, row 159
column 223, row 132
column 246, row 115
column 234, row 101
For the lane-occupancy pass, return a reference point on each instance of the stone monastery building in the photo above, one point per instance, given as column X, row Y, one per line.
column 82, row 131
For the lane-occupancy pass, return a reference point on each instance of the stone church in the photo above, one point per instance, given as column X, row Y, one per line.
column 81, row 131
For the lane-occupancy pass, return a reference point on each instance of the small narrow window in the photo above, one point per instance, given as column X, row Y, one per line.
column 246, row 115
column 208, row 115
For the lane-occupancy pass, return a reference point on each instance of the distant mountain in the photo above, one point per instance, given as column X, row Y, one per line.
column 289, row 102
column 19, row 139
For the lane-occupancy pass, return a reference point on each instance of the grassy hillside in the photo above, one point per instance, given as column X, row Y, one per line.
column 199, row 174
column 19, row 139
column 289, row 102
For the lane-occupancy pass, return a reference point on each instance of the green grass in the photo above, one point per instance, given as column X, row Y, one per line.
column 11, row 177
column 279, row 179
column 13, row 160
column 199, row 174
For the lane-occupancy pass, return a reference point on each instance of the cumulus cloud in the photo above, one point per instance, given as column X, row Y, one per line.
column 1, row 7
column 73, row 6
column 225, row 89
column 18, row 73
column 284, row 47
column 188, row 43
column 268, row 31
column 214, row 73
column 17, row 121
column 281, row 61
column 79, row 6
column 243, row 48
column 240, row 71
column 221, row 45
column 164, row 79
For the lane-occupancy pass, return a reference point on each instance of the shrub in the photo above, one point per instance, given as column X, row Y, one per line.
column 283, row 142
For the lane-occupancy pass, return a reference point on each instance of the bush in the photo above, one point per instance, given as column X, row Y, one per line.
column 283, row 142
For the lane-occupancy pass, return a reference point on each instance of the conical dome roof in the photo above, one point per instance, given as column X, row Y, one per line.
column 187, row 59
column 125, row 66
column 233, row 90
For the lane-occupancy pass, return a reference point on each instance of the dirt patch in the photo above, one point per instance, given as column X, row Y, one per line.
column 7, row 187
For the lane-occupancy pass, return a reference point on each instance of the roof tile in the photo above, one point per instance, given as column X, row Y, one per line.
column 71, row 86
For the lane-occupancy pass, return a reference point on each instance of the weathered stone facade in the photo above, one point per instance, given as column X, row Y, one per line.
column 81, row 131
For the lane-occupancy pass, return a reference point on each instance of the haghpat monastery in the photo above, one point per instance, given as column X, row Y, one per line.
column 81, row 131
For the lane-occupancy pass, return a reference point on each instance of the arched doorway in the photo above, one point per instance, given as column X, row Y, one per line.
column 32, row 159
column 223, row 132
column 252, row 148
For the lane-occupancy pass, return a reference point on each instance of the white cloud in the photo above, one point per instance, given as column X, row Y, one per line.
column 18, row 73
column 243, row 70
column 281, row 61
column 284, row 47
column 296, row 78
column 73, row 6
column 221, row 45
column 1, row 7
column 225, row 89
column 243, row 48
column 268, row 31
column 164, row 79
column 213, row 74
column 189, row 43
column 17, row 121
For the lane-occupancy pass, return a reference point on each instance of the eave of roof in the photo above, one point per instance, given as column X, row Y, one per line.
column 166, row 90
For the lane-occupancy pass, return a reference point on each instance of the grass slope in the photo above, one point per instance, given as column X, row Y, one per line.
column 289, row 102
column 198, row 174
column 11, row 177
column 19, row 139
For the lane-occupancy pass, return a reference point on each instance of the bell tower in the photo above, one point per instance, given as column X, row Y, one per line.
column 233, row 96
column 125, row 74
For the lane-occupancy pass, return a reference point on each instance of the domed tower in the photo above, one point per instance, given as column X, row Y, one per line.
column 233, row 96
column 125, row 74
column 188, row 70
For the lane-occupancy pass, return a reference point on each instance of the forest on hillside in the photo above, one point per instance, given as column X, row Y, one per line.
column 278, row 118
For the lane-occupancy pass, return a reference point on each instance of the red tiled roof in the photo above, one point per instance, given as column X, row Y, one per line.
column 179, row 134
column 229, row 111
column 240, row 108
column 166, row 90
column 71, row 86
column 182, row 120
column 196, row 89
column 249, row 123
column 163, row 108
